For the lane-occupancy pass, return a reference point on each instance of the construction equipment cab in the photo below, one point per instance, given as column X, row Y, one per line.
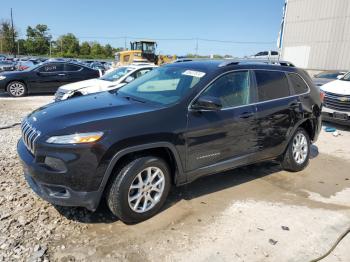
column 143, row 51
column 140, row 52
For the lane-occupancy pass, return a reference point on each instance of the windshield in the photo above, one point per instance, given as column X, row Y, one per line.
column 148, row 48
column 31, row 66
column 116, row 74
column 164, row 85
column 346, row 77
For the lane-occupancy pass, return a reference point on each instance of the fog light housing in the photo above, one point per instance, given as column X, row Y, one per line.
column 55, row 164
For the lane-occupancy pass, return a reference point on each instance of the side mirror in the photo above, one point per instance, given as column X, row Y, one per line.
column 129, row 79
column 207, row 103
column 340, row 76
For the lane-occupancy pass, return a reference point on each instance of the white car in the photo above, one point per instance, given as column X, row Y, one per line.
column 336, row 105
column 270, row 55
column 112, row 80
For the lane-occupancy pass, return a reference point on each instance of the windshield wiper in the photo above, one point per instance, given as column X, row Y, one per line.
column 134, row 99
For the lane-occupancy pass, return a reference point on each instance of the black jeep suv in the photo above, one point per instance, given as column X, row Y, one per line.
column 171, row 126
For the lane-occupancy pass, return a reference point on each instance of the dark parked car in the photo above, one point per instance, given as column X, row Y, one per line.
column 327, row 76
column 98, row 66
column 44, row 78
column 173, row 125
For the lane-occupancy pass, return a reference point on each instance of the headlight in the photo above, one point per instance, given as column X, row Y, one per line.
column 2, row 77
column 75, row 138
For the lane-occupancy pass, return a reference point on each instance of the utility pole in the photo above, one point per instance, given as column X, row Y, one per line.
column 13, row 36
column 1, row 45
column 196, row 47
column 125, row 43
column 50, row 48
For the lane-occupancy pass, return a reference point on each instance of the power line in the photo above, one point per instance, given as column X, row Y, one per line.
column 166, row 39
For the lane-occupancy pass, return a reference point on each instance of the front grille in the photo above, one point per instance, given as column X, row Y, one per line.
column 29, row 135
column 59, row 95
column 337, row 102
column 7, row 68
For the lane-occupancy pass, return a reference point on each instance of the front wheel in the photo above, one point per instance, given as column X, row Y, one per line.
column 16, row 89
column 139, row 189
column 297, row 155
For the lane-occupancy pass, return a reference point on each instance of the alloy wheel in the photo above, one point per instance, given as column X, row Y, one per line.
column 17, row 89
column 146, row 189
column 300, row 148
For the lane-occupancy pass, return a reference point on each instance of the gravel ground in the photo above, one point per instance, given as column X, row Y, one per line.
column 257, row 213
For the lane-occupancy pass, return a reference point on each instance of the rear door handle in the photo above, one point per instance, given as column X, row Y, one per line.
column 295, row 104
column 246, row 115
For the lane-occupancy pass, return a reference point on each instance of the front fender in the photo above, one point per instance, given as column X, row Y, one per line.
column 180, row 176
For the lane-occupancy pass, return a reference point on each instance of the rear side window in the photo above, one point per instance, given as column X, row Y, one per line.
column 233, row 89
column 298, row 84
column 271, row 85
column 71, row 68
column 51, row 67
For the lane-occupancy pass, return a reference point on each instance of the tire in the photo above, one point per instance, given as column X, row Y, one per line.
column 16, row 89
column 297, row 156
column 127, row 203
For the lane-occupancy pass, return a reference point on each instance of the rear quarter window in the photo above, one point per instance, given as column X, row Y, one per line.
column 298, row 84
column 71, row 68
column 271, row 85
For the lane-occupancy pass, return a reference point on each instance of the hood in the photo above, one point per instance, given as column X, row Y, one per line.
column 83, row 113
column 14, row 73
column 340, row 87
column 321, row 81
column 98, row 83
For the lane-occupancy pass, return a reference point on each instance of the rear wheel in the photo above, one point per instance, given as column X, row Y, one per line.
column 297, row 155
column 139, row 190
column 16, row 89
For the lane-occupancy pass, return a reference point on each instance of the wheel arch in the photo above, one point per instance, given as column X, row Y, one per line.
column 15, row 80
column 164, row 150
column 308, row 125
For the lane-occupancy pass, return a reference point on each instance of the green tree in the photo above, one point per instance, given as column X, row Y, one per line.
column 85, row 49
column 97, row 50
column 21, row 45
column 6, row 34
column 68, row 45
column 38, row 40
column 108, row 50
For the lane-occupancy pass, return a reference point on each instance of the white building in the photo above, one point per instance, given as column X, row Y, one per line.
column 316, row 34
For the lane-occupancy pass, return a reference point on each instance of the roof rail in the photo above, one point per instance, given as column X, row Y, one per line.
column 256, row 61
column 181, row 60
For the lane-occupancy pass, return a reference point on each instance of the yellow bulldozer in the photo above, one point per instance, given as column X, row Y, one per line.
column 143, row 51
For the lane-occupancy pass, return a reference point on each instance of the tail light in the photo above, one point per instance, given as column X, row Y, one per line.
column 322, row 95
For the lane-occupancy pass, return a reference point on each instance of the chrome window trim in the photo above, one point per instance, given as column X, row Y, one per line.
column 308, row 87
column 251, row 104
column 81, row 69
